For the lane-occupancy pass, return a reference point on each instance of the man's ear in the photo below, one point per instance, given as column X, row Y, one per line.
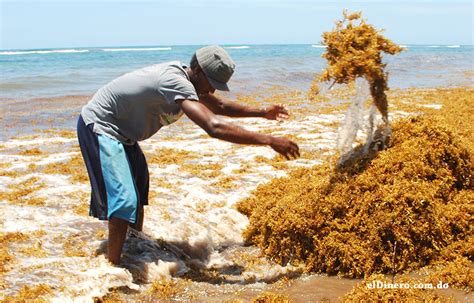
column 197, row 69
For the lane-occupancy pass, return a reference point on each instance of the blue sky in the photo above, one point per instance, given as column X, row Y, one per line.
column 67, row 23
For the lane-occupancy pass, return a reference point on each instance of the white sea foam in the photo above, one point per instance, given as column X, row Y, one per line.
column 318, row 46
column 37, row 141
column 136, row 49
column 61, row 51
column 434, row 106
column 237, row 47
column 453, row 46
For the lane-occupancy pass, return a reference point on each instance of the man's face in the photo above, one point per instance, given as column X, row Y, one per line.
column 202, row 85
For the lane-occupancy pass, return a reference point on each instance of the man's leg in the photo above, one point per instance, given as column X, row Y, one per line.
column 117, row 232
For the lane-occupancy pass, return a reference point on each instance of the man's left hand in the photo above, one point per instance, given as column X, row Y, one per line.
column 277, row 112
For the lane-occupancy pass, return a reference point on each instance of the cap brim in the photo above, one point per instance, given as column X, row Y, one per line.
column 218, row 85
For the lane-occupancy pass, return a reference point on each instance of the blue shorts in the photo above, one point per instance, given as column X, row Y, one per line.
column 118, row 174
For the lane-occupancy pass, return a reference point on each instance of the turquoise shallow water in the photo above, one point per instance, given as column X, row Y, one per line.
column 26, row 74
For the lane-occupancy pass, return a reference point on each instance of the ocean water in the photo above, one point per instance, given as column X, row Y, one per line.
column 26, row 74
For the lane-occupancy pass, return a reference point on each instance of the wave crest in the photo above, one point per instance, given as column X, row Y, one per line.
column 136, row 49
column 62, row 51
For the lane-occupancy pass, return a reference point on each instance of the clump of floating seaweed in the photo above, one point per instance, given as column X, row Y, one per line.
column 269, row 297
column 167, row 156
column 167, row 288
column 113, row 296
column 37, row 293
column 265, row 297
column 384, row 212
column 6, row 258
column 75, row 246
column 354, row 51
column 30, row 152
column 24, row 192
column 73, row 167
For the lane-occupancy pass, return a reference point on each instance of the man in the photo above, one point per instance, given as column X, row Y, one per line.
column 135, row 106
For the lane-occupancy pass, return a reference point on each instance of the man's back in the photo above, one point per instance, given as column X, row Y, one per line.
column 136, row 105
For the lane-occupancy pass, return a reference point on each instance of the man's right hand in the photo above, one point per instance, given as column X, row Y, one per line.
column 285, row 147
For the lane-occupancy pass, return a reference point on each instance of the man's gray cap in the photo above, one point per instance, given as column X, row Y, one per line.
column 217, row 65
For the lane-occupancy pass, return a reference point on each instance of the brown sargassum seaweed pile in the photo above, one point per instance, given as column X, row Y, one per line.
column 354, row 49
column 391, row 211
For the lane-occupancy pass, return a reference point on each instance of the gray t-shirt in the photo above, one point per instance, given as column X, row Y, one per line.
column 136, row 105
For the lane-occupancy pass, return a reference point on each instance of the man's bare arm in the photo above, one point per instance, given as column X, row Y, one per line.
column 216, row 128
column 221, row 106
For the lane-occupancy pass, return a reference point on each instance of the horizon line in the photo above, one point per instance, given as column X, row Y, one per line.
column 223, row 44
